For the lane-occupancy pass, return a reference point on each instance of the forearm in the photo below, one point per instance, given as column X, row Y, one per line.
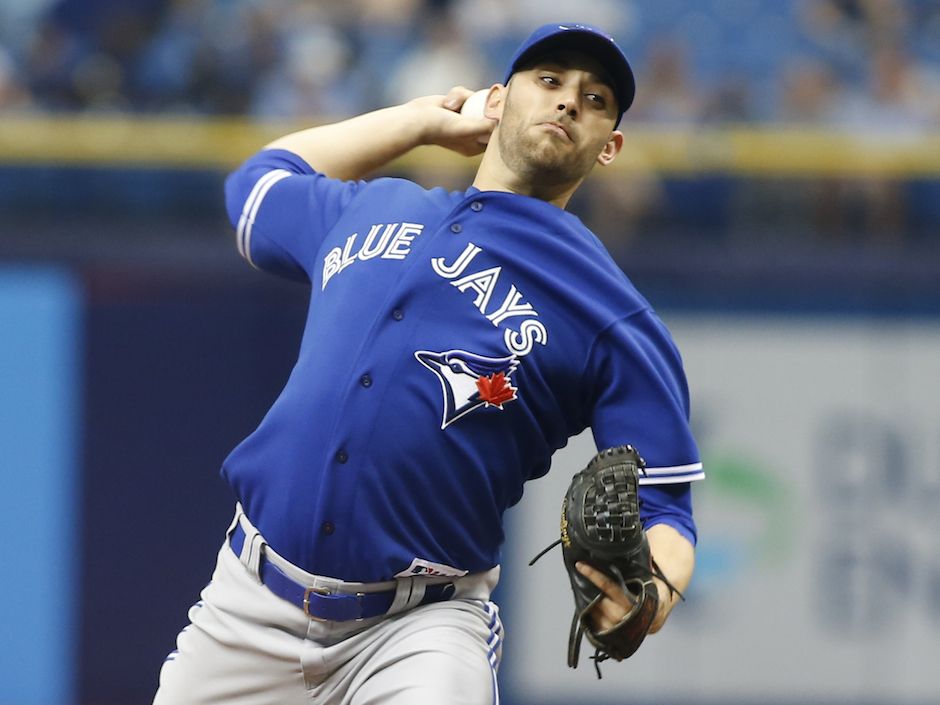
column 353, row 148
column 675, row 556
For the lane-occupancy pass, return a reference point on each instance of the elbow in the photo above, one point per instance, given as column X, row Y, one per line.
column 237, row 188
column 247, row 185
column 241, row 183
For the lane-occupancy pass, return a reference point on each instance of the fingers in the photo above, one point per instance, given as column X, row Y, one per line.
column 447, row 128
column 615, row 604
column 467, row 136
column 604, row 582
column 456, row 97
column 483, row 128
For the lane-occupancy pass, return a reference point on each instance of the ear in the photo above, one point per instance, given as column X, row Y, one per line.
column 495, row 100
column 611, row 149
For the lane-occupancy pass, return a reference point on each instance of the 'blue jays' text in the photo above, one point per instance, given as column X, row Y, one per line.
column 482, row 283
column 393, row 243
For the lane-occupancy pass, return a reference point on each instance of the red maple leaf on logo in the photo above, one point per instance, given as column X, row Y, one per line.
column 495, row 389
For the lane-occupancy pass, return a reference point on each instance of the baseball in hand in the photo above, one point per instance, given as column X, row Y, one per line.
column 473, row 106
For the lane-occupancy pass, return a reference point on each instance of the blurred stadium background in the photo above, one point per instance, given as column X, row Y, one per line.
column 778, row 202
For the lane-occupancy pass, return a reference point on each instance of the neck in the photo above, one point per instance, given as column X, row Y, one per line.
column 494, row 175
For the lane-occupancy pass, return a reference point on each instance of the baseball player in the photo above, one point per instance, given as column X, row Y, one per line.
column 454, row 341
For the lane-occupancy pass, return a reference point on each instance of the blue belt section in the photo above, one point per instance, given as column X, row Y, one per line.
column 322, row 606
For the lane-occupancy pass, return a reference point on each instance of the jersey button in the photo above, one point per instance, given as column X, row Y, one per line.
column 342, row 456
column 476, row 206
column 327, row 528
column 366, row 380
column 456, row 228
column 398, row 314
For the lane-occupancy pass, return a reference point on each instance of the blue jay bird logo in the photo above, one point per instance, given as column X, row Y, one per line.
column 470, row 381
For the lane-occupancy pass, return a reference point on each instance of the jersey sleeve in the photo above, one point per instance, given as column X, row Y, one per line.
column 669, row 504
column 281, row 210
column 640, row 397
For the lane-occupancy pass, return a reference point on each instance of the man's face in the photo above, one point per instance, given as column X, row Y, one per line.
column 558, row 118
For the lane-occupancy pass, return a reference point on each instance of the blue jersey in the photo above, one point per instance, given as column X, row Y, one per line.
column 454, row 341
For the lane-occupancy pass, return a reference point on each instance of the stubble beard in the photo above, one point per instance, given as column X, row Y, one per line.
column 538, row 158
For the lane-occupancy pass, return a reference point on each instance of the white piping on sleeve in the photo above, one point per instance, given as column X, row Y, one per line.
column 675, row 473
column 250, row 211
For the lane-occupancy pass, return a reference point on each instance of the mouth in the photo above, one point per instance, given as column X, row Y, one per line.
column 558, row 129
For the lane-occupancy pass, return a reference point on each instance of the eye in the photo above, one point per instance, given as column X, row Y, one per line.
column 597, row 99
column 549, row 80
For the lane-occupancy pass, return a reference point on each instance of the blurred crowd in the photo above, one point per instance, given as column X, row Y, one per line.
column 868, row 64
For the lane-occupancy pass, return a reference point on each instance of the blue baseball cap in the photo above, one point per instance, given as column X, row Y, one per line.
column 586, row 38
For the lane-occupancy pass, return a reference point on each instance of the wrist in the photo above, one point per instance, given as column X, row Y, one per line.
column 430, row 123
column 667, row 600
column 418, row 128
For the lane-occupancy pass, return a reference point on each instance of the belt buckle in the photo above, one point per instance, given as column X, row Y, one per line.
column 318, row 591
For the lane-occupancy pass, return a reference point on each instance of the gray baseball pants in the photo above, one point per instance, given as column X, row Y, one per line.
column 246, row 646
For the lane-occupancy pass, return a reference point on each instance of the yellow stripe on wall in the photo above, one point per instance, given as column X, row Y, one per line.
column 220, row 143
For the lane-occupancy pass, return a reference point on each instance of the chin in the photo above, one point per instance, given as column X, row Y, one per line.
column 544, row 159
column 552, row 172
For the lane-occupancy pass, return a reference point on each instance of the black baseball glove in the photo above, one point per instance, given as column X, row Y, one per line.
column 600, row 525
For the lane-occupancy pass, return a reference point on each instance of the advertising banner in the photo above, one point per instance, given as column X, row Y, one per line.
column 818, row 562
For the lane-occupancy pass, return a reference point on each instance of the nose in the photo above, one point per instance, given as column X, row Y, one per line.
column 569, row 105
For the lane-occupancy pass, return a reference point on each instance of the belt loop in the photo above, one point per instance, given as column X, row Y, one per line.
column 231, row 527
column 250, row 555
column 408, row 593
